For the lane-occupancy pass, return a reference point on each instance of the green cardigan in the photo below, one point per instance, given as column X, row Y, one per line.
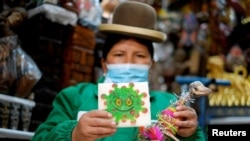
column 83, row 97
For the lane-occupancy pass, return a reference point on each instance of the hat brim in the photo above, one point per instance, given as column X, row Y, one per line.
column 152, row 35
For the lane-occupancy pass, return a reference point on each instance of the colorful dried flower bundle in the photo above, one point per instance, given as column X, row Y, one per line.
column 164, row 128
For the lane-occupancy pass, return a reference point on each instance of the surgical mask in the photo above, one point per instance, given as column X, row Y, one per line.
column 125, row 73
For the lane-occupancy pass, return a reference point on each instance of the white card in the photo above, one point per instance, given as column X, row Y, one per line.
column 127, row 102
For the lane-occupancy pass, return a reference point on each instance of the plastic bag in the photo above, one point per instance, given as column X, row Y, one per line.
column 90, row 13
column 8, row 72
column 28, row 73
column 20, row 66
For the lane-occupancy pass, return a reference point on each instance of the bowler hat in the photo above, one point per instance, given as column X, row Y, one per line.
column 135, row 19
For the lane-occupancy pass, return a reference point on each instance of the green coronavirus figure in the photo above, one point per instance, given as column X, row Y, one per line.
column 125, row 103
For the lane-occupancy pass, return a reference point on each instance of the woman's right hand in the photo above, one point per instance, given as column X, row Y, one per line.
column 93, row 125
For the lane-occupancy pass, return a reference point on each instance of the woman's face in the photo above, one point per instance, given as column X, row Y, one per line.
column 127, row 51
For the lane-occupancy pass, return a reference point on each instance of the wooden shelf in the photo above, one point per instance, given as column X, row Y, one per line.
column 15, row 134
column 19, row 100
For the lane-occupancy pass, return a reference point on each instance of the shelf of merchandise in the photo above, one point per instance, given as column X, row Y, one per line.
column 227, row 115
column 230, row 120
column 11, row 133
column 15, row 134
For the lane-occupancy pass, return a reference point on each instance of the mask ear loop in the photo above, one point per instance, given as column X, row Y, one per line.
column 105, row 73
column 149, row 72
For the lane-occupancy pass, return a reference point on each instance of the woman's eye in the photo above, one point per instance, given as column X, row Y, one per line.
column 141, row 56
column 118, row 54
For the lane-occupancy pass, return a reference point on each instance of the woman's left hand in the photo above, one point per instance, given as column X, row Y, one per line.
column 187, row 122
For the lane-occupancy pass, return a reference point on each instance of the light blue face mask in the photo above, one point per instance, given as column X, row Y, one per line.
column 126, row 73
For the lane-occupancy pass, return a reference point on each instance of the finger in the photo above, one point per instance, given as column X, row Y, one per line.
column 185, row 115
column 185, row 123
column 102, row 122
column 185, row 112
column 99, row 113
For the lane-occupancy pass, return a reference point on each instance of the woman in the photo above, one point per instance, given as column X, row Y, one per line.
column 128, row 44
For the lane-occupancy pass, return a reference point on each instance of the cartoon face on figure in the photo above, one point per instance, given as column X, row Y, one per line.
column 127, row 102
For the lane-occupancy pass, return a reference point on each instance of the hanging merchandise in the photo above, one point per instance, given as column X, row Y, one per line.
column 108, row 7
column 19, row 73
column 54, row 13
column 90, row 13
column 8, row 70
column 28, row 73
column 189, row 28
column 223, row 22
